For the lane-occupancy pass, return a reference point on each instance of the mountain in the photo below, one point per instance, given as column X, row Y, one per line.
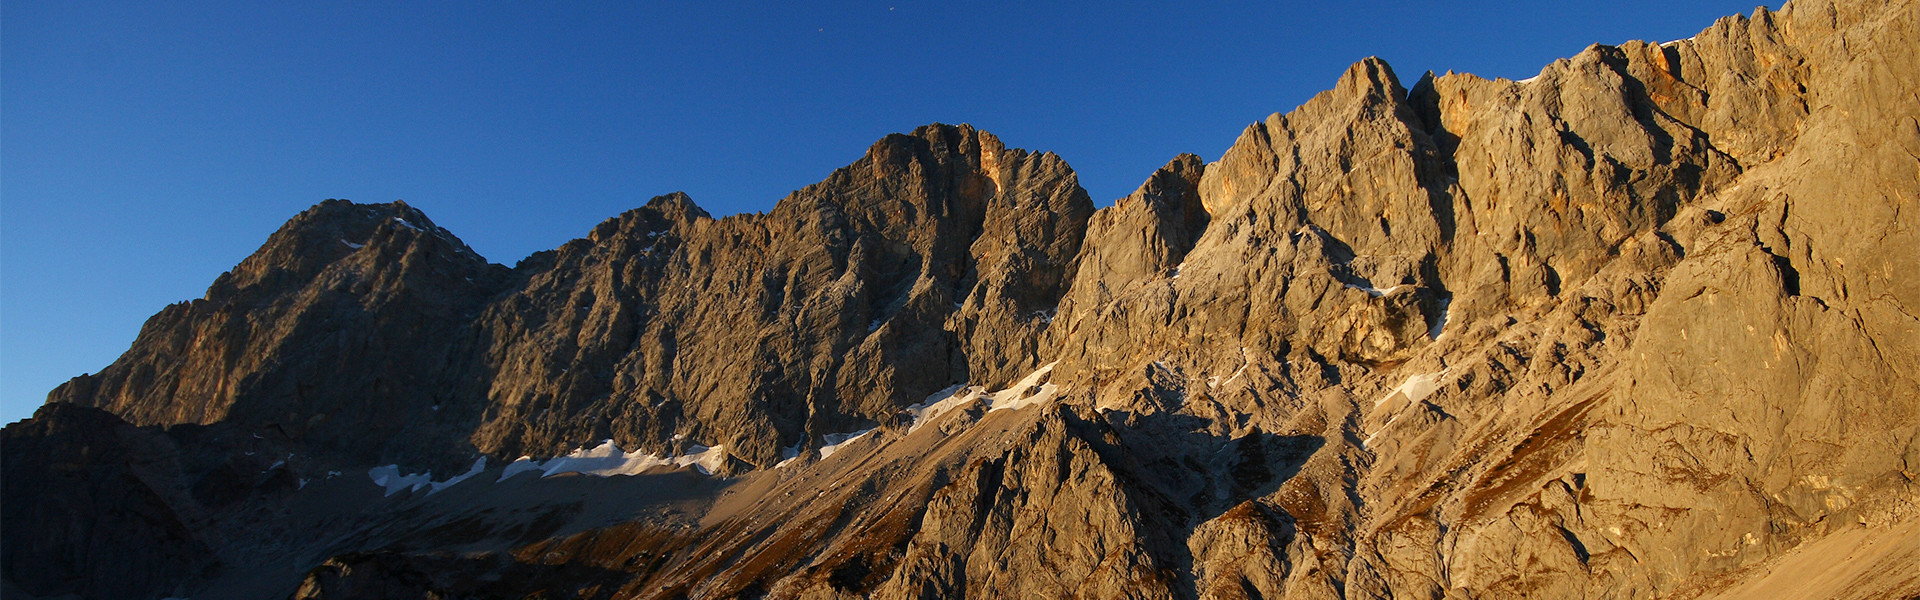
column 1641, row 326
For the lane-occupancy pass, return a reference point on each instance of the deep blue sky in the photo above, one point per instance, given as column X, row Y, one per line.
column 147, row 147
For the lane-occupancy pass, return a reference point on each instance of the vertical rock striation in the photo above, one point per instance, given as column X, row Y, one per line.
column 933, row 260
column 346, row 329
column 1641, row 326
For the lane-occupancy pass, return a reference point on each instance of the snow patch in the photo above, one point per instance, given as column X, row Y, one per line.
column 353, row 245
column 1368, row 443
column 404, row 223
column 1528, row 80
column 1440, row 324
column 389, row 477
column 479, row 465
column 837, row 440
column 1416, row 388
column 1373, row 291
column 521, row 465
column 1214, row 382
column 955, row 396
column 1684, row 39
column 788, row 455
column 608, row 459
column 1028, row 392
column 706, row 460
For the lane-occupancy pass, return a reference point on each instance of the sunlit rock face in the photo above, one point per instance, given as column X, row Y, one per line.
column 1642, row 326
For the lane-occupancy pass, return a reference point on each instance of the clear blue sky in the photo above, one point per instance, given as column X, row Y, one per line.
column 145, row 147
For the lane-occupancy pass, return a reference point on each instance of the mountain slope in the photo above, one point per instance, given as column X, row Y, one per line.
column 1641, row 326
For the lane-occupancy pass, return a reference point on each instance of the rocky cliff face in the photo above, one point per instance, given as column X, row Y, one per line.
column 933, row 260
column 1642, row 326
column 345, row 331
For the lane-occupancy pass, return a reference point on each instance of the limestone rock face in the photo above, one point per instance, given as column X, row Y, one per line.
column 935, row 259
column 1642, row 326
column 345, row 329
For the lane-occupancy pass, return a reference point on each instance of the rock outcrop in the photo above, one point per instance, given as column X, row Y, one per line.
column 933, row 260
column 1642, row 326
column 82, row 512
column 344, row 331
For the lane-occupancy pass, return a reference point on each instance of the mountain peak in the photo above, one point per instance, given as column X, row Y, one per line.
column 677, row 206
column 1371, row 73
column 1635, row 329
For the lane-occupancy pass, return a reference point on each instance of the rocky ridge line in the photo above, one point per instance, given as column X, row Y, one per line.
column 1637, row 324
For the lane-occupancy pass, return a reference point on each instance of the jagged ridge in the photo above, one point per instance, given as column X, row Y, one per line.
column 1635, row 323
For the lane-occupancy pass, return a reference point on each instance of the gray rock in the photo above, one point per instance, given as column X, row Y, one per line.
column 1641, row 326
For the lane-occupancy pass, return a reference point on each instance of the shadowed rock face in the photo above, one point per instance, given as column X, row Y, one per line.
column 81, row 514
column 1641, row 326
column 347, row 330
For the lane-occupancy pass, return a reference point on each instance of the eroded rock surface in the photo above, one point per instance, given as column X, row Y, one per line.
column 1642, row 326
